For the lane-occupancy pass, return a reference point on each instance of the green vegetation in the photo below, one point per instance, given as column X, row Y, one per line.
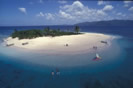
column 77, row 29
column 33, row 33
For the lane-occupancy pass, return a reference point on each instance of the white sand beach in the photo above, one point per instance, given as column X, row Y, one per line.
column 76, row 43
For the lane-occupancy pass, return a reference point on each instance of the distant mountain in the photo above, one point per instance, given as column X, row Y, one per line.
column 108, row 23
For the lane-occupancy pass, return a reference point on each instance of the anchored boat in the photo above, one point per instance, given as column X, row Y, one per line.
column 97, row 57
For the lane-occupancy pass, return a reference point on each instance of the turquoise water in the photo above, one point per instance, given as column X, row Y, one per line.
column 76, row 71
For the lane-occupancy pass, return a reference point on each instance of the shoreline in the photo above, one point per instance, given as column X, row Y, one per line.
column 76, row 43
column 64, row 57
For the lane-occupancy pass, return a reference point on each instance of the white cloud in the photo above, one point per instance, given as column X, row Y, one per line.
column 74, row 8
column 101, row 12
column 62, row 1
column 120, row 14
column 40, row 1
column 131, row 8
column 101, row 3
column 40, row 14
column 127, row 3
column 23, row 10
column 77, row 12
column 108, row 8
column 65, row 15
column 49, row 16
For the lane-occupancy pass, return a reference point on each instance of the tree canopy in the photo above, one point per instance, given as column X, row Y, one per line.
column 33, row 33
column 77, row 29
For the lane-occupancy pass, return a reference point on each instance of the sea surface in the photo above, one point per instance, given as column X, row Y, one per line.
column 22, row 69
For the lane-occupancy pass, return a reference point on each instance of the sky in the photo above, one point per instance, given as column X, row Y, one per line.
column 63, row 12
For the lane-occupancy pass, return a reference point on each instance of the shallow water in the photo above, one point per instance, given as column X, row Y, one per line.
column 17, row 70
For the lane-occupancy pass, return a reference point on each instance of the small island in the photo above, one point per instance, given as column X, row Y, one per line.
column 34, row 33
column 57, row 41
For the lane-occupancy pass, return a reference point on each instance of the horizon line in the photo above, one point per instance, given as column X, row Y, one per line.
column 66, row 24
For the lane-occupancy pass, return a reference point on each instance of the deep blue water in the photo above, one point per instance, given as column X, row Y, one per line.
column 116, row 74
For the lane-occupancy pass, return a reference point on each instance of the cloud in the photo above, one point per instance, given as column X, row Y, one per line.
column 77, row 12
column 75, row 8
column 62, row 1
column 48, row 16
column 108, row 8
column 120, row 14
column 101, row 3
column 40, row 14
column 65, row 15
column 40, row 1
column 127, row 3
column 23, row 10
column 131, row 9
column 101, row 12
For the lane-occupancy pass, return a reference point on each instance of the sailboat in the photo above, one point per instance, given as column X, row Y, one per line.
column 97, row 57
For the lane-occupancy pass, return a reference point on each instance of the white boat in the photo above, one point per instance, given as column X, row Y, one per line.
column 97, row 57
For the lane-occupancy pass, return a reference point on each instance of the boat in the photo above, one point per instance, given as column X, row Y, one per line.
column 97, row 57
column 105, row 42
column 25, row 43
column 10, row 44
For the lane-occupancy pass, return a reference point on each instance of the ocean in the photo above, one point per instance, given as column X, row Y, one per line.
column 114, row 71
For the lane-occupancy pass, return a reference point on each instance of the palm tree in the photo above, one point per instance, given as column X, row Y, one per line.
column 77, row 29
column 46, row 31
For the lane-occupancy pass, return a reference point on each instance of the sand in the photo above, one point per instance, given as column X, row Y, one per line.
column 76, row 43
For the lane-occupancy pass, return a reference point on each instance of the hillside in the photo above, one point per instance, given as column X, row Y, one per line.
column 108, row 23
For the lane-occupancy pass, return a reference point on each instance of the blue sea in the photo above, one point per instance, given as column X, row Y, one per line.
column 115, row 70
